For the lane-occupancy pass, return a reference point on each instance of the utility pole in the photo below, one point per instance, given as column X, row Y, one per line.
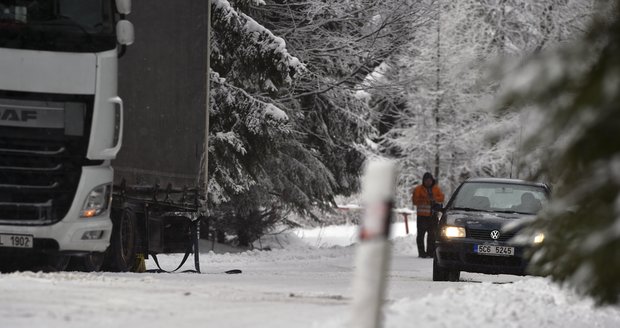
column 208, row 95
column 437, row 90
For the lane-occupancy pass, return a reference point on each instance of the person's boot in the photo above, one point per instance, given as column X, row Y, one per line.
column 421, row 253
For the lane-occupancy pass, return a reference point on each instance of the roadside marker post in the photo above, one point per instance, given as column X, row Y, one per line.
column 373, row 251
column 405, row 212
column 406, row 223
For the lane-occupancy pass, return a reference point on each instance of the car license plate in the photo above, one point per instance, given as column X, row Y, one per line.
column 494, row 250
column 19, row 241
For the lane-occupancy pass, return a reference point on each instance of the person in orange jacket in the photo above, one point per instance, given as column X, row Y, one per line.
column 427, row 197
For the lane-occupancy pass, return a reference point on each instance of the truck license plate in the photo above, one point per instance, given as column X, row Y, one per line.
column 20, row 241
column 494, row 250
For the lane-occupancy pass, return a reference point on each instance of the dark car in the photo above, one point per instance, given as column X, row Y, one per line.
column 478, row 225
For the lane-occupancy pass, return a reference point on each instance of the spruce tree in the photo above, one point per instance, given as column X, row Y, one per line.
column 257, row 168
column 575, row 93
column 289, row 133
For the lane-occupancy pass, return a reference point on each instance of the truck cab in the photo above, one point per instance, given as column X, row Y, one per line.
column 61, row 123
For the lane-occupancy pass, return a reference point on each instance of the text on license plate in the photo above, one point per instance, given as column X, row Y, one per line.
column 494, row 250
column 21, row 241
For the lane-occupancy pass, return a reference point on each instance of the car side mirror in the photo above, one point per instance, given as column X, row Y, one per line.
column 123, row 7
column 125, row 32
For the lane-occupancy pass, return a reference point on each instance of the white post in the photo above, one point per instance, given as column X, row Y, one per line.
column 373, row 251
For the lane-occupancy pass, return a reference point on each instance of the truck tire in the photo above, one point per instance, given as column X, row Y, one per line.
column 121, row 254
column 55, row 262
column 92, row 262
column 11, row 264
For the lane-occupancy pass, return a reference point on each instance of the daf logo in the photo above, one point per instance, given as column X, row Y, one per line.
column 17, row 115
column 495, row 234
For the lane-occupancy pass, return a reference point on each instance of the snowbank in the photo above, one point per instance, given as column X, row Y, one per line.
column 532, row 302
column 345, row 235
column 295, row 246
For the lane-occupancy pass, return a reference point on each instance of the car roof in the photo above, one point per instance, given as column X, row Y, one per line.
column 508, row 181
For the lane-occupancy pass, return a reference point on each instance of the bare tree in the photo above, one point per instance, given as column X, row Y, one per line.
column 442, row 123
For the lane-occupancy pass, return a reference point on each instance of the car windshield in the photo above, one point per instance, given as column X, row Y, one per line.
column 500, row 197
column 57, row 25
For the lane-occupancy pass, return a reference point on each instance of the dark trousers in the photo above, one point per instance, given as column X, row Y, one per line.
column 426, row 225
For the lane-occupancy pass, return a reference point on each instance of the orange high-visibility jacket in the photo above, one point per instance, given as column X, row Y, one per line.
column 422, row 201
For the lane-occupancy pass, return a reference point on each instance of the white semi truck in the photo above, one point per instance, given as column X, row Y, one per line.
column 61, row 124
column 69, row 193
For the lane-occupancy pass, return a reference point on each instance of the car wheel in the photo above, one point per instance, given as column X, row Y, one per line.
column 439, row 273
column 454, row 275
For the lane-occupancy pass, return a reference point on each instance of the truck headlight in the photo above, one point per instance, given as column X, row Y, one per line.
column 453, row 232
column 539, row 238
column 97, row 201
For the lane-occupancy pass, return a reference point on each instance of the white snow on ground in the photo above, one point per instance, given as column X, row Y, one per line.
column 296, row 286
column 532, row 302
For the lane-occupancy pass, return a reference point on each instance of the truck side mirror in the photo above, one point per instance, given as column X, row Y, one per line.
column 123, row 7
column 124, row 32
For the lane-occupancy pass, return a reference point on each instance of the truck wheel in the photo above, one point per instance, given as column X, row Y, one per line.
column 121, row 254
column 11, row 264
column 439, row 273
column 56, row 262
column 88, row 263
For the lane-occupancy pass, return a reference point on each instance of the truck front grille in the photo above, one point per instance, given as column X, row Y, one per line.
column 38, row 179
column 40, row 167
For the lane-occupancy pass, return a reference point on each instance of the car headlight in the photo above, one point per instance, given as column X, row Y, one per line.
column 539, row 238
column 453, row 232
column 97, row 201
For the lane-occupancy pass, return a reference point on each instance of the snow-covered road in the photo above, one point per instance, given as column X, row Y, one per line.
column 300, row 286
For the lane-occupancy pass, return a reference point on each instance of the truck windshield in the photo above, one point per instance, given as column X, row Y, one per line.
column 57, row 25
